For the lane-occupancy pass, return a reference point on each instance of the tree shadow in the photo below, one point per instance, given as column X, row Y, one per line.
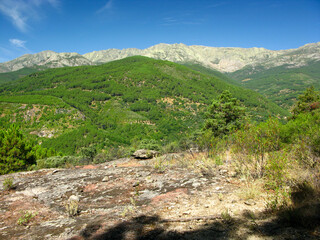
column 299, row 221
column 153, row 227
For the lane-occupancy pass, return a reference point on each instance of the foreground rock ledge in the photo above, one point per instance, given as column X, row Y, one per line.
column 127, row 199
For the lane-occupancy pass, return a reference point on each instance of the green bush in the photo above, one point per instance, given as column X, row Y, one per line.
column 171, row 147
column 89, row 153
column 58, row 162
column 276, row 169
column 252, row 145
column 8, row 183
column 118, row 152
column 149, row 144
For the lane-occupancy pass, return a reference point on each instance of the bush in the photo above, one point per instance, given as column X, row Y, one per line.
column 57, row 162
column 89, row 153
column 100, row 158
column 149, row 144
column 118, row 152
column 252, row 145
column 8, row 184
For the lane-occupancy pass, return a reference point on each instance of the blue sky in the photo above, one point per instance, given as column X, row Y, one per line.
column 31, row 26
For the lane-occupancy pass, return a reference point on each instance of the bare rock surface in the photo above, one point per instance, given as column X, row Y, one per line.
column 127, row 199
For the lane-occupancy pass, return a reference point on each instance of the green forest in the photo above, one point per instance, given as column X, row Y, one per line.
column 118, row 104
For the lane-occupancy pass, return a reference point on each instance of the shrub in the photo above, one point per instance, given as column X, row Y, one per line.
column 171, row 147
column 26, row 218
column 89, row 153
column 57, row 162
column 100, row 158
column 252, row 145
column 72, row 207
column 8, row 183
column 118, row 152
column 276, row 169
column 149, row 144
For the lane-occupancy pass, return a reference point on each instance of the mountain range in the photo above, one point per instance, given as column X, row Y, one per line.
column 223, row 59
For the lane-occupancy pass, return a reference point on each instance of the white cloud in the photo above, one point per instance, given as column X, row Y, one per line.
column 107, row 6
column 20, row 11
column 18, row 43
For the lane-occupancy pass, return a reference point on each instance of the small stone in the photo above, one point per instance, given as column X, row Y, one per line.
column 55, row 171
column 136, row 184
column 250, row 202
column 105, row 179
column 196, row 184
column 74, row 198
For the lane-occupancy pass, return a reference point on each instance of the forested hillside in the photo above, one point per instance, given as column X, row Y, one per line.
column 120, row 103
column 280, row 84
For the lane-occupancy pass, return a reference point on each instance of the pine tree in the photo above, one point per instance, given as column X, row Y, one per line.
column 16, row 153
column 225, row 115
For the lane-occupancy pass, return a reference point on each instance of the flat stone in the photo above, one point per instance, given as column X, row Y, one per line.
column 147, row 194
column 196, row 184
column 250, row 202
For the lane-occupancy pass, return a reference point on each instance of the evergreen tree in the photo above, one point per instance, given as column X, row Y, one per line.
column 16, row 153
column 225, row 115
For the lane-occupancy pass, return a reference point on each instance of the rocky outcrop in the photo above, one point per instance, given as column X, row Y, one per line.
column 144, row 154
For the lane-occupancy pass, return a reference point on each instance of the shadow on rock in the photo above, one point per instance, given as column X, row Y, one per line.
column 153, row 227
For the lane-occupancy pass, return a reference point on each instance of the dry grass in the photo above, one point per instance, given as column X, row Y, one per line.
column 252, row 190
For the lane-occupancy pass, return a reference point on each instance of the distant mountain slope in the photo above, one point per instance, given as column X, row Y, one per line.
column 280, row 84
column 118, row 103
column 45, row 59
column 10, row 76
column 212, row 73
